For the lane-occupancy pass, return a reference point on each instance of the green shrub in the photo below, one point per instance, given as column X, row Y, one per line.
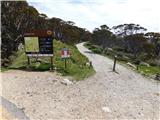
column 137, row 61
column 121, row 58
column 96, row 50
column 117, row 48
column 152, row 62
column 88, row 44
column 151, row 70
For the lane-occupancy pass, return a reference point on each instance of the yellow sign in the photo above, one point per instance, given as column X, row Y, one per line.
column 31, row 44
column 49, row 32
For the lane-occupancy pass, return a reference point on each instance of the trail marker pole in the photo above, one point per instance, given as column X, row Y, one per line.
column 114, row 66
column 28, row 60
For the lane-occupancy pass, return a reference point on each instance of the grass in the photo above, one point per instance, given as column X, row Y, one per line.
column 3, row 69
column 151, row 70
column 75, row 64
column 93, row 48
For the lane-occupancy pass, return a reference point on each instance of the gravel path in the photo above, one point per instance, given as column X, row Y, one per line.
column 106, row 95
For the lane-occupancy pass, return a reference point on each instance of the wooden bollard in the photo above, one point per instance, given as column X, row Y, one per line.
column 114, row 65
column 90, row 63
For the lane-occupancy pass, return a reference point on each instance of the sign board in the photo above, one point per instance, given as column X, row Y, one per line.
column 39, row 43
column 65, row 53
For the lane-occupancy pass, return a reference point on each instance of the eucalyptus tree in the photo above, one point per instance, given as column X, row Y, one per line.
column 103, row 36
column 128, row 29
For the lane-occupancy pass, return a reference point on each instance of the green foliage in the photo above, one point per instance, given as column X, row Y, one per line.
column 151, row 70
column 93, row 48
column 128, row 29
column 75, row 65
column 102, row 36
column 18, row 17
column 96, row 50
column 118, row 48
column 19, row 60
column 3, row 69
column 127, row 57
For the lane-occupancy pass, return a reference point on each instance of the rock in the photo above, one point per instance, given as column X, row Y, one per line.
column 67, row 82
column 125, row 57
column 20, row 46
column 22, row 108
column 131, row 65
column 106, row 109
column 157, row 77
column 89, row 63
column 50, row 78
column 144, row 63
column 55, row 68
column 110, row 49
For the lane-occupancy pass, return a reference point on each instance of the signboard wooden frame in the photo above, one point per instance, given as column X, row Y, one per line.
column 39, row 43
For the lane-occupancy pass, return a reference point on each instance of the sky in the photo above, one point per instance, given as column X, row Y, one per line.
column 91, row 14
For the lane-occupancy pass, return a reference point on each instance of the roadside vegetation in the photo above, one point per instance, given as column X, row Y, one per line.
column 145, row 68
column 18, row 16
column 130, row 42
column 76, row 65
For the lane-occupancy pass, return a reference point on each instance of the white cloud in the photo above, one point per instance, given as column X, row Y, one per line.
column 93, row 13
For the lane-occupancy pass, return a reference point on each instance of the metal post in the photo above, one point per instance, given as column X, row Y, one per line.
column 65, row 61
column 114, row 66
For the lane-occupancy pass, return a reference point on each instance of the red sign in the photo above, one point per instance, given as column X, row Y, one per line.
column 65, row 53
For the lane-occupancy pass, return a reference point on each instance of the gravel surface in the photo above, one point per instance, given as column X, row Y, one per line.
column 106, row 95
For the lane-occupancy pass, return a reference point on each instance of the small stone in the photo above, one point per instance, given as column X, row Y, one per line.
column 67, row 82
column 22, row 108
column 30, row 95
column 106, row 109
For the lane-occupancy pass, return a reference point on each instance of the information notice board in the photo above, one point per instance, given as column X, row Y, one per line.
column 38, row 43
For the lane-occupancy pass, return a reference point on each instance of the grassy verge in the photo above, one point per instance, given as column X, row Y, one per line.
column 3, row 69
column 149, row 70
column 75, row 65
column 124, row 59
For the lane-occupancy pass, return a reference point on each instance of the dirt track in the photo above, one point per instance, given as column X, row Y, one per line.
column 106, row 95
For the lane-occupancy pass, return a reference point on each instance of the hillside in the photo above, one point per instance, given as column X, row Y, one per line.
column 76, row 65
column 18, row 17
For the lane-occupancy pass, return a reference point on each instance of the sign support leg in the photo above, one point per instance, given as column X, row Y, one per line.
column 51, row 63
column 65, row 61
